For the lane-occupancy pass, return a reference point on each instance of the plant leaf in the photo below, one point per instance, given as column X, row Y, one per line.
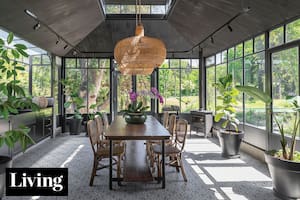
column 10, row 37
column 255, row 92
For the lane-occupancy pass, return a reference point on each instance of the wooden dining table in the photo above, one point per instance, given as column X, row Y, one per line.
column 150, row 130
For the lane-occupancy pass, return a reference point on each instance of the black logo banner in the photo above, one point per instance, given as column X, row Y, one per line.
column 36, row 181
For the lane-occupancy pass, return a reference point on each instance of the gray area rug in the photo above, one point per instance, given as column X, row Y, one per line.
column 210, row 177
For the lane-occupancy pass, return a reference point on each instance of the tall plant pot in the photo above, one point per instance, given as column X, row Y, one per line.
column 230, row 143
column 5, row 162
column 75, row 126
column 285, row 176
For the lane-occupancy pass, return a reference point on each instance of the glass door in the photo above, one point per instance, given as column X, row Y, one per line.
column 284, row 84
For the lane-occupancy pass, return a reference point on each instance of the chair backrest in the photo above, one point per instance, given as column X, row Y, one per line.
column 93, row 133
column 181, row 133
column 172, row 123
column 100, row 127
column 105, row 121
column 166, row 119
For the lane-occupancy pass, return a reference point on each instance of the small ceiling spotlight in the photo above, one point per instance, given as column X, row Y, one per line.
column 229, row 28
column 58, row 40
column 36, row 26
column 246, row 9
column 31, row 14
column 74, row 53
column 66, row 46
column 212, row 40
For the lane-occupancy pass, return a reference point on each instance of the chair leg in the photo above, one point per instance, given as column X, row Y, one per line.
column 177, row 163
column 119, row 166
column 95, row 165
column 151, row 156
column 182, row 170
column 158, row 168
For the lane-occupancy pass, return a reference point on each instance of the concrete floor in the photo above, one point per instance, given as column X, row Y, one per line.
column 209, row 176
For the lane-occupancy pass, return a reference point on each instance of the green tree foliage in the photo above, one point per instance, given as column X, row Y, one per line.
column 12, row 95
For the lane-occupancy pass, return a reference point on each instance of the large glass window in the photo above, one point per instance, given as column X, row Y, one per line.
column 92, row 77
column 143, row 83
column 189, row 85
column 179, row 83
column 38, row 62
column 236, row 69
column 169, row 86
column 23, row 77
column 276, row 37
column 285, row 83
column 293, row 31
column 124, row 87
column 41, row 76
column 259, row 43
column 255, row 112
column 221, row 70
column 210, row 89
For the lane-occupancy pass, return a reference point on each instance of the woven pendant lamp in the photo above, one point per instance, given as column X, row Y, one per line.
column 139, row 54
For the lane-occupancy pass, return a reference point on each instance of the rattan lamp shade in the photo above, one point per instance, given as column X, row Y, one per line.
column 139, row 54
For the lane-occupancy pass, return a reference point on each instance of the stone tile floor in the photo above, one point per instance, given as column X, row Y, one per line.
column 210, row 177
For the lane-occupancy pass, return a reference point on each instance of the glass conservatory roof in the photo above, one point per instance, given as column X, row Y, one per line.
column 127, row 9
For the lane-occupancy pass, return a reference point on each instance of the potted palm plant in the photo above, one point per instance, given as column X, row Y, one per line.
column 71, row 90
column 12, row 100
column 283, row 164
column 230, row 137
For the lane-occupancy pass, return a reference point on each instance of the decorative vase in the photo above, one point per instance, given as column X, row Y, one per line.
column 135, row 118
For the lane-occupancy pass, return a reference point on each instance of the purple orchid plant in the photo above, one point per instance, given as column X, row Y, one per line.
column 137, row 106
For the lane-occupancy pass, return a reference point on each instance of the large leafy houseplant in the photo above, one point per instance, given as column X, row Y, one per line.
column 228, row 96
column 284, row 164
column 72, row 89
column 230, row 137
column 12, row 95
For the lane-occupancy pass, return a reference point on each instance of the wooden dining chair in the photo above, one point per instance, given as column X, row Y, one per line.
column 166, row 119
column 100, row 129
column 100, row 152
column 105, row 121
column 150, row 143
column 171, row 127
column 174, row 150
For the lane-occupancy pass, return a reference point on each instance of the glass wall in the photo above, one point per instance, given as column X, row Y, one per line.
column 41, row 75
column 210, row 80
column 246, row 62
column 92, row 78
column 178, row 81
column 143, row 83
column 285, row 83
column 36, row 77
column 124, row 87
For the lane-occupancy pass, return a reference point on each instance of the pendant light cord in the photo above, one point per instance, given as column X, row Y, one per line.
column 140, row 20
column 136, row 13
